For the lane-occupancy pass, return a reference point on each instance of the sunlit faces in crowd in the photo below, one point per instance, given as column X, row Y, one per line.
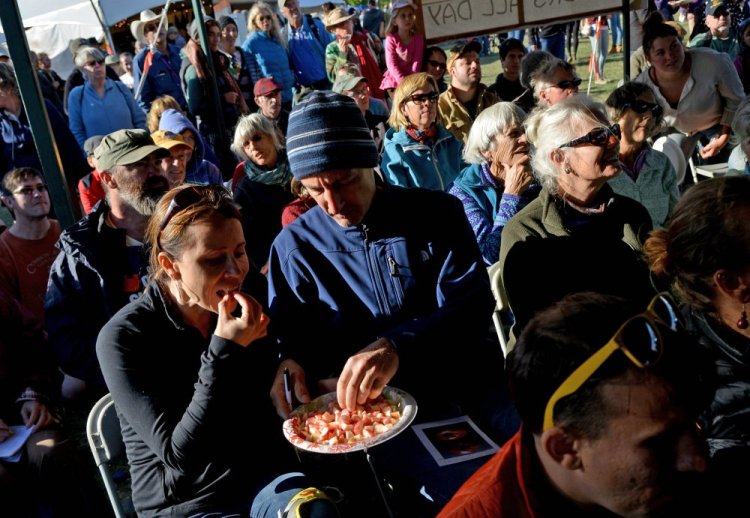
column 436, row 64
column 270, row 104
column 260, row 148
column 564, row 83
column 667, row 55
column 361, row 95
column 29, row 198
column 215, row 264
column 142, row 183
column 344, row 194
column 466, row 71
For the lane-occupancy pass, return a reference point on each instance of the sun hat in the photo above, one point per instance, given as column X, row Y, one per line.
column 327, row 131
column 136, row 27
column 337, row 16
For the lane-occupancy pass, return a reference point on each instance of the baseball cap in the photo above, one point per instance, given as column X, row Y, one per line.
column 112, row 59
column 125, row 147
column 265, row 86
column 461, row 48
column 399, row 4
column 713, row 5
column 346, row 81
column 90, row 144
column 168, row 139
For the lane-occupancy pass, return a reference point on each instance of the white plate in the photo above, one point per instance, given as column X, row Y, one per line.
column 404, row 402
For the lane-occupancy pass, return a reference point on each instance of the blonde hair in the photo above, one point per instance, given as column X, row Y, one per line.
column 250, row 125
column 392, row 27
column 403, row 92
column 258, row 9
column 158, row 107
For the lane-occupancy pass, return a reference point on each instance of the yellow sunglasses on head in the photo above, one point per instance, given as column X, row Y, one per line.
column 638, row 338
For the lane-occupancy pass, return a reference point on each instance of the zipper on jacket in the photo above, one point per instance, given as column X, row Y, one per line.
column 378, row 287
column 392, row 266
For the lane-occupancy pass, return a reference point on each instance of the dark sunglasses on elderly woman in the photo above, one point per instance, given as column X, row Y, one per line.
column 421, row 99
column 642, row 107
column 567, row 84
column 597, row 137
column 638, row 338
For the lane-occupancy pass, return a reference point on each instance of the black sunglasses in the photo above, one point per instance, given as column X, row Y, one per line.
column 92, row 64
column 149, row 28
column 642, row 107
column 597, row 137
column 420, row 99
column 436, row 64
column 188, row 196
column 568, row 84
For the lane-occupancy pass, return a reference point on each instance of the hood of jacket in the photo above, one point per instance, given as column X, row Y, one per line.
column 176, row 122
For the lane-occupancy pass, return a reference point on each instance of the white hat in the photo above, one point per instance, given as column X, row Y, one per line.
column 136, row 27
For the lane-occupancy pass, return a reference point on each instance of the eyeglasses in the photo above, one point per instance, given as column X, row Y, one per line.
column 642, row 107
column 190, row 196
column 567, row 84
column 92, row 64
column 638, row 338
column 264, row 18
column 436, row 64
column 29, row 191
column 602, row 137
column 362, row 92
column 422, row 99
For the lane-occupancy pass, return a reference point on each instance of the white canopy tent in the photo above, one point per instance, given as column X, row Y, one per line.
column 51, row 24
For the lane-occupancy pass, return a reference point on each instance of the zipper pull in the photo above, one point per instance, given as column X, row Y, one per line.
column 364, row 231
column 392, row 266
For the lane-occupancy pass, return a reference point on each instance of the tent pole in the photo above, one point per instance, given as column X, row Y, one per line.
column 105, row 27
column 33, row 102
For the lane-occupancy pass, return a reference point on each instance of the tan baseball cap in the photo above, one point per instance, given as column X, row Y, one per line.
column 168, row 139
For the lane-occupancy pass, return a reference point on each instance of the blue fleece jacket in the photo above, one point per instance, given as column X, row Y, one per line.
column 272, row 60
column 411, row 272
column 90, row 115
column 199, row 170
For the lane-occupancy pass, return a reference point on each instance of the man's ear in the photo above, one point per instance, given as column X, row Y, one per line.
column 170, row 266
column 7, row 201
column 108, row 179
column 561, row 447
column 733, row 285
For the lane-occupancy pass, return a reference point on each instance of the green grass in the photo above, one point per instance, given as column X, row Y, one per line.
column 613, row 70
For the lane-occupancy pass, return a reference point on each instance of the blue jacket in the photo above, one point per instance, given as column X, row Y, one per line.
column 163, row 76
column 90, row 115
column 411, row 272
column 199, row 170
column 94, row 275
column 407, row 163
column 272, row 61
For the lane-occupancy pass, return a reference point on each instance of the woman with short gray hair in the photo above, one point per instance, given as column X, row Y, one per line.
column 578, row 234
column 100, row 106
column 261, row 183
column 498, row 181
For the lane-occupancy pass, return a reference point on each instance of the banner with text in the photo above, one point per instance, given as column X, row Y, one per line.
column 444, row 19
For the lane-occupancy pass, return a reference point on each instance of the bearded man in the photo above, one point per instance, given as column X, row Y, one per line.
column 102, row 261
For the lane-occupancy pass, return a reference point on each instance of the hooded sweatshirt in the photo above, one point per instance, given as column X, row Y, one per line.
column 199, row 170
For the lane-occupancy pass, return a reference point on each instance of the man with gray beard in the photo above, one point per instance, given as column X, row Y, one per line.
column 102, row 261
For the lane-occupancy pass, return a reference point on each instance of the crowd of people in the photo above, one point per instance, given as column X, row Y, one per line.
column 314, row 209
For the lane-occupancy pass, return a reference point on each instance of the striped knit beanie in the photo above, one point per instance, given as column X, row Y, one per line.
column 327, row 131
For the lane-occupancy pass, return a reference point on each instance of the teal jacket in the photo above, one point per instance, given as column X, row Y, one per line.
column 408, row 163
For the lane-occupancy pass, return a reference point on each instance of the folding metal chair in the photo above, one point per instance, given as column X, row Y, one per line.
column 105, row 441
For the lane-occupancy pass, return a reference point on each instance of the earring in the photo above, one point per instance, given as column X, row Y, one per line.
column 742, row 323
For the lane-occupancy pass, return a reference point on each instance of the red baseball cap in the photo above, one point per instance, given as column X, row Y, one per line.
column 265, row 86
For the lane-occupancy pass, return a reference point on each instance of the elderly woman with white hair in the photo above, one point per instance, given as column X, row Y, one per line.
column 498, row 181
column 578, row 234
column 100, row 106
column 261, row 183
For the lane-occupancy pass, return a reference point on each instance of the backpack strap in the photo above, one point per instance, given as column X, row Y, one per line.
column 313, row 27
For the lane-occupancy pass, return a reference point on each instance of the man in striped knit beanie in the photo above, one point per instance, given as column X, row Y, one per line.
column 376, row 284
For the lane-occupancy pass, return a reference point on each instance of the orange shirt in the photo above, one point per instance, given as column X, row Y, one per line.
column 24, row 267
